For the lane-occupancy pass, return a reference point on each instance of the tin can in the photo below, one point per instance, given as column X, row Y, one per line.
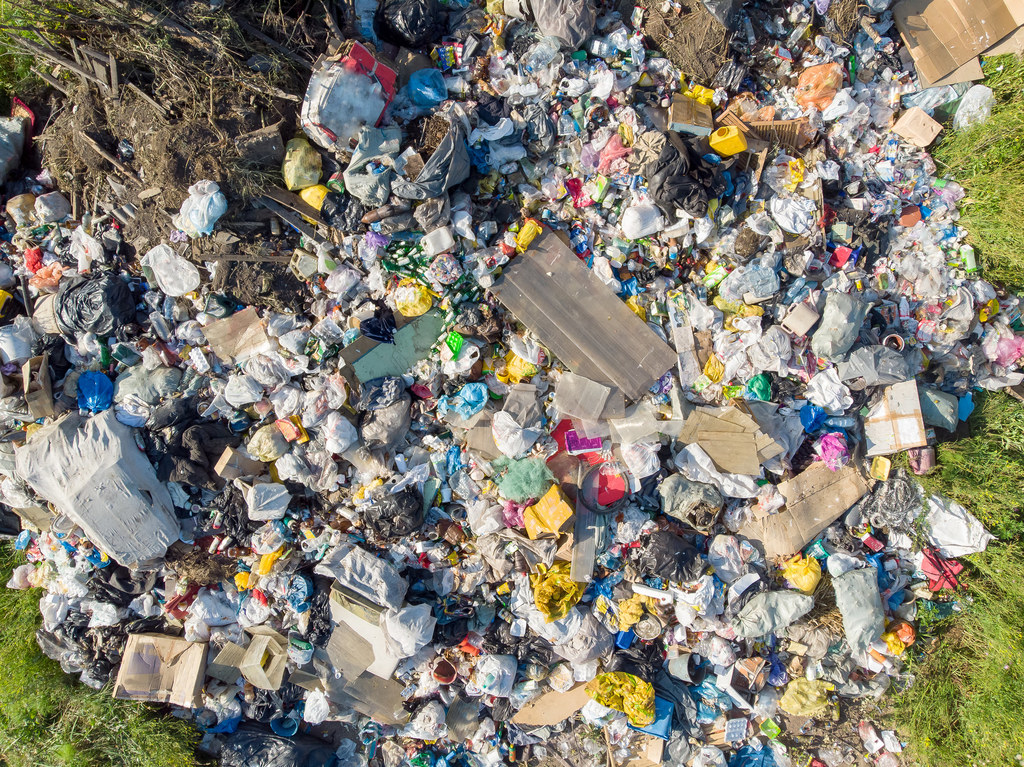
column 648, row 628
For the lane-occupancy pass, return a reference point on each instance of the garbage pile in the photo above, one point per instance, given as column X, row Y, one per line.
column 578, row 443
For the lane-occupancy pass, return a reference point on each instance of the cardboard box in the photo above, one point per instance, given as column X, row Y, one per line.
column 815, row 499
column 688, row 115
column 944, row 35
column 896, row 422
column 234, row 464
column 236, row 338
column 162, row 669
column 35, row 376
column 227, row 666
column 917, row 127
column 265, row 658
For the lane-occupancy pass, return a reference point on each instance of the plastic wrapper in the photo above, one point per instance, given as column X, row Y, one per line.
column 975, row 107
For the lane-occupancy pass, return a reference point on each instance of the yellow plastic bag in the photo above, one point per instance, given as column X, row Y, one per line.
column 267, row 444
column 314, row 196
column 548, row 515
column 413, row 298
column 554, row 592
column 302, row 165
column 802, row 573
column 714, row 369
column 626, row 693
column 804, row 697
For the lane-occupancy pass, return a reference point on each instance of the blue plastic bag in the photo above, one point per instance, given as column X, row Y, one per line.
column 95, row 392
column 427, row 87
column 812, row 418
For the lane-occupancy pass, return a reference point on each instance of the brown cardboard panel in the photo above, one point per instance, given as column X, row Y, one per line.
column 815, row 498
column 265, row 658
column 581, row 320
column 162, row 669
column 552, row 707
column 236, row 338
column 233, row 464
column 942, row 35
column 35, row 376
column 732, row 452
column 895, row 423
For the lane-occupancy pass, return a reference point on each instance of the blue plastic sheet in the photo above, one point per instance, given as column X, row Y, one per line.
column 95, row 392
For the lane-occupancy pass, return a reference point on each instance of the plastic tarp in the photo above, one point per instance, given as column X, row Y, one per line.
column 92, row 471
column 771, row 611
column 859, row 602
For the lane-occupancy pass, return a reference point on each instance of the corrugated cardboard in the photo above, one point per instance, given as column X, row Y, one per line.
column 895, row 423
column 552, row 707
column 943, row 35
column 648, row 752
column 917, row 127
column 815, row 498
column 358, row 645
column 35, row 376
column 265, row 658
column 162, row 669
column 234, row 464
column 236, row 338
column 227, row 666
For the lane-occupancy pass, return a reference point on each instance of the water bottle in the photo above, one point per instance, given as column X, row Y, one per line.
column 841, row 421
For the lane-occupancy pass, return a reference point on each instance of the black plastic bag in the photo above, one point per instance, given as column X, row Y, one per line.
column 380, row 327
column 681, row 178
column 379, row 393
column 395, row 514
column 97, row 305
column 409, row 23
column 256, row 747
column 384, row 428
column 343, row 212
column 668, row 556
column 540, row 131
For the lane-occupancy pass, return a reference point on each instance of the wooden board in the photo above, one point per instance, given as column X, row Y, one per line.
column 581, row 320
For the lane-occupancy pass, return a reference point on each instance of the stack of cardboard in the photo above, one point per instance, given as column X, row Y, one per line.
column 945, row 37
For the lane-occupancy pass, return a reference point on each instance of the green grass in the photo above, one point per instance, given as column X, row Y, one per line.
column 965, row 706
column 49, row 720
column 988, row 160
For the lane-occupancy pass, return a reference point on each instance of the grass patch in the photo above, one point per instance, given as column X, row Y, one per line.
column 48, row 719
column 986, row 471
column 988, row 161
column 965, row 705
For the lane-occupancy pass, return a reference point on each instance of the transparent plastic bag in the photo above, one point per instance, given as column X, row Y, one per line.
column 201, row 210
column 975, row 107
column 172, row 274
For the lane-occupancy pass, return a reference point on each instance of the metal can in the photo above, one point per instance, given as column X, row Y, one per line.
column 648, row 628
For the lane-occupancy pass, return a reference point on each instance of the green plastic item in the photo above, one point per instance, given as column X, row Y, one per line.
column 760, row 387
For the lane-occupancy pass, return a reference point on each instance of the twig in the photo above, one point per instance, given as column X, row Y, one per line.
column 287, row 53
column 124, row 169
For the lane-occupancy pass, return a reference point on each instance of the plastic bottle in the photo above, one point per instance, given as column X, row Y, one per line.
column 842, row 421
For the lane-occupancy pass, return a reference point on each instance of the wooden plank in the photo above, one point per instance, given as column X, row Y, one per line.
column 293, row 201
column 124, row 169
column 115, row 83
column 284, row 51
column 581, row 320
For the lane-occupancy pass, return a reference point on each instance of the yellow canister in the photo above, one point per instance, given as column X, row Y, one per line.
column 728, row 140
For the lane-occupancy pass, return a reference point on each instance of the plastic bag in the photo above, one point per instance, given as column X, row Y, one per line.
column 408, row 630
column 495, row 674
column 265, row 500
column 696, row 503
column 413, row 298
column 641, row 221
column 427, row 87
column 95, row 391
column 840, row 324
column 509, row 437
column 16, row 340
column 52, row 207
column 409, row 23
column 624, row 692
column 818, row 85
column 267, row 444
column 554, row 592
column 172, row 274
column 338, row 433
column 201, row 210
column 571, row 21
column 860, row 604
column 770, row 611
column 975, row 107
column 448, row 165
column 98, row 305
column 807, row 698
column 395, row 515
column 86, row 249
column 302, row 165
column 802, row 573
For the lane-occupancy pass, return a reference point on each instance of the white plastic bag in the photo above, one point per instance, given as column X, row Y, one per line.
column 495, row 674
column 202, row 208
column 338, row 432
column 975, row 107
column 826, row 391
column 408, row 630
column 640, row 221
column 265, row 500
column 173, row 274
column 86, row 249
column 242, row 390
column 16, row 340
column 511, row 438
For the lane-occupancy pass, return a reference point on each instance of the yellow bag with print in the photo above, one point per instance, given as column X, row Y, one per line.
column 626, row 693
column 554, row 592
column 802, row 573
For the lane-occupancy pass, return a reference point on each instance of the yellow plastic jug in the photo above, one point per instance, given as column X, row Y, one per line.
column 728, row 140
